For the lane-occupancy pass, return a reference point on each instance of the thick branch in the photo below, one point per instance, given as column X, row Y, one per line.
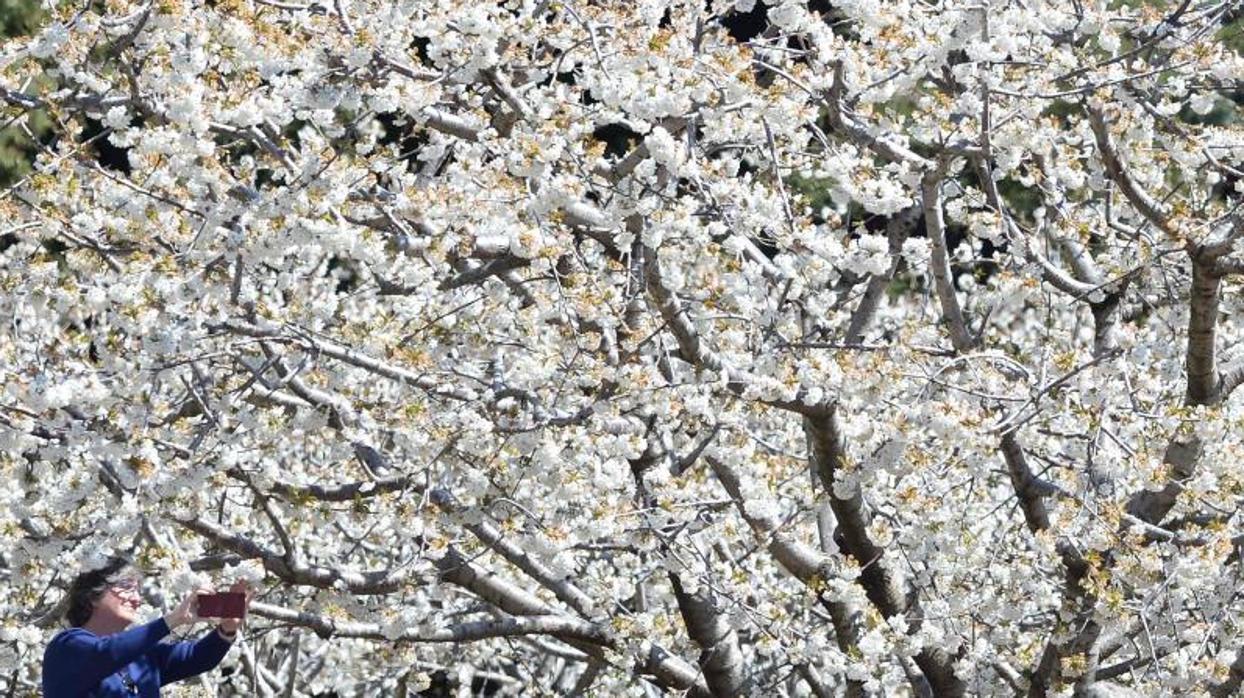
column 1181, row 457
column 1232, row 380
column 478, row 274
column 1205, row 387
column 720, row 657
column 326, row 627
column 1204, row 382
column 806, row 564
column 1148, row 207
column 696, row 351
column 374, row 582
column 567, row 592
column 352, row 357
column 346, row 492
column 897, row 230
column 931, row 187
column 843, row 123
column 1030, row 491
column 877, row 576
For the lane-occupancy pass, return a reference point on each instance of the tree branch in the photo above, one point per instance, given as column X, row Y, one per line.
column 720, row 658
column 567, row 592
column 1149, row 208
column 326, row 627
column 806, row 564
column 696, row 351
column 349, row 356
column 363, row 583
column 1204, row 382
column 827, row 454
column 939, row 262
column 897, row 230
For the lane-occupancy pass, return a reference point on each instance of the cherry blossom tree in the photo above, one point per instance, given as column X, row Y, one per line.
column 581, row 347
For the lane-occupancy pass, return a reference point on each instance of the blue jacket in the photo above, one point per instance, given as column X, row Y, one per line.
column 80, row 664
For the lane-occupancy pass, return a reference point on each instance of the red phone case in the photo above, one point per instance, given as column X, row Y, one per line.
column 225, row 605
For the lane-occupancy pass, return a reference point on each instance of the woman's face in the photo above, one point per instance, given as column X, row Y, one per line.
column 120, row 601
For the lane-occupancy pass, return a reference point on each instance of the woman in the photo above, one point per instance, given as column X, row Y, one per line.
column 98, row 657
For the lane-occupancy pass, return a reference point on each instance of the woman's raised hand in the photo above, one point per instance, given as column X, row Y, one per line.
column 231, row 625
column 186, row 612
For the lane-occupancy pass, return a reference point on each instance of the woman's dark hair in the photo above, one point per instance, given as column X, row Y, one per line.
column 89, row 587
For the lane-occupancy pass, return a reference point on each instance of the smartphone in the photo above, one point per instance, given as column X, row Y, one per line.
column 225, row 605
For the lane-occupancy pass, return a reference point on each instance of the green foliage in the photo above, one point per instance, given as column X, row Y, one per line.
column 1020, row 200
column 813, row 190
column 1232, row 33
column 17, row 150
column 1224, row 113
column 899, row 286
column 18, row 18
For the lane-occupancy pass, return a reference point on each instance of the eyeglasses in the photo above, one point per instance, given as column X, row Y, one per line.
column 128, row 584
